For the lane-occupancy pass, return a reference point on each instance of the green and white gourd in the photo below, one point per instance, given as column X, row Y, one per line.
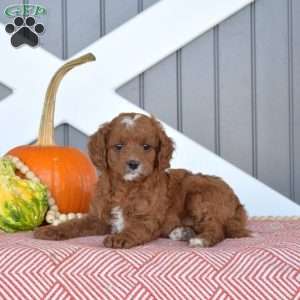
column 53, row 216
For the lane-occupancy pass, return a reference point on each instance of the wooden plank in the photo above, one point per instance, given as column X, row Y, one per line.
column 235, row 90
column 131, row 91
column 83, row 24
column 77, row 139
column 148, row 3
column 53, row 37
column 198, row 91
column 272, row 94
column 118, row 12
column 60, row 134
column 296, row 93
column 4, row 91
column 160, row 85
column 3, row 4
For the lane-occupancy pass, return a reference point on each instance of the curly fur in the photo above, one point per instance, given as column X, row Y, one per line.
column 154, row 202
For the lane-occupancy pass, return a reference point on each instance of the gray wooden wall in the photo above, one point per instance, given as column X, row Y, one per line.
column 235, row 90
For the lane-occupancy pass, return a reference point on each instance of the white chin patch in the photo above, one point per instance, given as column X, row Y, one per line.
column 129, row 121
column 131, row 176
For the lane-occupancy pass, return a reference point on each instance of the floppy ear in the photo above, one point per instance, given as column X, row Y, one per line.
column 166, row 148
column 97, row 147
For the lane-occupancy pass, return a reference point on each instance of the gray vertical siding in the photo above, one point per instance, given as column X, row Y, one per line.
column 160, row 90
column 238, row 92
column 216, row 82
column 235, row 89
column 76, row 139
column 132, row 91
column 198, row 115
column 272, row 94
column 114, row 17
column 4, row 91
column 54, row 38
column 61, row 135
column 253, row 89
column 147, row 3
column 117, row 13
column 3, row 5
column 295, row 97
column 81, row 32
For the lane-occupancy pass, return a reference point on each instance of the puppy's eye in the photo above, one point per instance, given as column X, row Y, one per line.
column 118, row 147
column 146, row 147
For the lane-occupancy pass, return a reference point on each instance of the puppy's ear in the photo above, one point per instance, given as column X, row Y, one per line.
column 166, row 148
column 97, row 146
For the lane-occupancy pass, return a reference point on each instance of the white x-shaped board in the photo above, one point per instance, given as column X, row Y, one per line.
column 87, row 96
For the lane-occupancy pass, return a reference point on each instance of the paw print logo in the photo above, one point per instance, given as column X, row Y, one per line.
column 24, row 31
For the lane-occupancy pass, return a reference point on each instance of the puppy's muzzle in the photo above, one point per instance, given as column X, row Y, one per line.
column 133, row 164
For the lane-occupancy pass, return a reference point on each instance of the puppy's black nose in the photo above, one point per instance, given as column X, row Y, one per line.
column 133, row 164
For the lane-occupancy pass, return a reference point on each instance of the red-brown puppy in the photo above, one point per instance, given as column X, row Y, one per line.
column 137, row 199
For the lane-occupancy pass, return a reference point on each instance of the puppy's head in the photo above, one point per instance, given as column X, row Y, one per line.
column 131, row 146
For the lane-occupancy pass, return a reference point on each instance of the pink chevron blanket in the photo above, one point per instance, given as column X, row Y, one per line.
column 266, row 266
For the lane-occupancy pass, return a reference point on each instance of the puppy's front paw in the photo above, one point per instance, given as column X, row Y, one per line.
column 181, row 234
column 49, row 232
column 198, row 242
column 119, row 241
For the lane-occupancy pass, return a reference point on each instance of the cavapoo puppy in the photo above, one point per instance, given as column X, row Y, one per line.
column 138, row 199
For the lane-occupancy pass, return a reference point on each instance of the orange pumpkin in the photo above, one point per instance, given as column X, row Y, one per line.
column 68, row 173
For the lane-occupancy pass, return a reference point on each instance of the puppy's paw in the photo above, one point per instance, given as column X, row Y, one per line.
column 119, row 241
column 181, row 234
column 198, row 242
column 49, row 232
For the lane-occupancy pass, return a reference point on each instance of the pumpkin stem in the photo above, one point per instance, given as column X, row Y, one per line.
column 46, row 132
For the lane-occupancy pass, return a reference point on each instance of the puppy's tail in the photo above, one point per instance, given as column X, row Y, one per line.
column 236, row 226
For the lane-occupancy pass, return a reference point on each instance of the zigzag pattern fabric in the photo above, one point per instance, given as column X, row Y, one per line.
column 265, row 266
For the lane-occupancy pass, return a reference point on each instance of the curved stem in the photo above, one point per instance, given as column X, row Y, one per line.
column 46, row 131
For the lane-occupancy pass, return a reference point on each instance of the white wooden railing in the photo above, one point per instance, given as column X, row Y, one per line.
column 87, row 96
